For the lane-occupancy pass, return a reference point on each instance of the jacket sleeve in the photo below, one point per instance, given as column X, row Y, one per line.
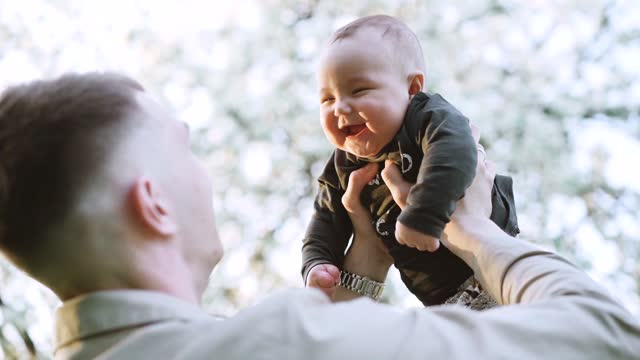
column 330, row 227
column 447, row 169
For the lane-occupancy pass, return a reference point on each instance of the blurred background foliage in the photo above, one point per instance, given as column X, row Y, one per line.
column 554, row 86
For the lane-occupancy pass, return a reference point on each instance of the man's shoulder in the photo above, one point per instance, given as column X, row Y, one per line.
column 275, row 308
column 263, row 327
column 293, row 296
column 278, row 306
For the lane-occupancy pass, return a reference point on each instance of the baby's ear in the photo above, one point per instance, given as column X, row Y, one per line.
column 416, row 83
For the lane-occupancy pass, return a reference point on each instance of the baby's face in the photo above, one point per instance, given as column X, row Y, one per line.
column 363, row 94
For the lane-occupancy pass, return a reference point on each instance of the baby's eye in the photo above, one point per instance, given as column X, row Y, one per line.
column 326, row 100
column 360, row 90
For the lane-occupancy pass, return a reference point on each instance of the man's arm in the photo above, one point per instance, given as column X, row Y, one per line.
column 563, row 315
column 367, row 255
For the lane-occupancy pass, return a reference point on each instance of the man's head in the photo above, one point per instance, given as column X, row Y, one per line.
column 99, row 189
column 368, row 73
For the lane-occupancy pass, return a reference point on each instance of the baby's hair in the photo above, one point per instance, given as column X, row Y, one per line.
column 404, row 40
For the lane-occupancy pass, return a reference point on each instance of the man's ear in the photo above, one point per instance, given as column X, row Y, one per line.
column 150, row 208
column 416, row 83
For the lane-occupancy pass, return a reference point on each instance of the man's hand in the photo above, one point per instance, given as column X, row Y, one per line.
column 324, row 277
column 364, row 233
column 477, row 198
column 399, row 188
column 358, row 179
column 474, row 209
column 367, row 255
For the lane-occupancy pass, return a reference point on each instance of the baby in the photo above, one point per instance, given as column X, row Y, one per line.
column 373, row 110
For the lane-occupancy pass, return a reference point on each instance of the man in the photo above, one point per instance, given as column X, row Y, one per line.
column 102, row 201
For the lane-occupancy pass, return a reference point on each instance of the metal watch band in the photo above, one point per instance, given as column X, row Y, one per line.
column 361, row 285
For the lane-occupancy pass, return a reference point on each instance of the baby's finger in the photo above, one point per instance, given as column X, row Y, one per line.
column 323, row 279
column 431, row 245
column 421, row 247
column 402, row 241
column 333, row 271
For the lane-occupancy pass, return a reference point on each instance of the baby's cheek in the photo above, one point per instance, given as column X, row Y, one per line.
column 369, row 108
column 335, row 136
column 328, row 125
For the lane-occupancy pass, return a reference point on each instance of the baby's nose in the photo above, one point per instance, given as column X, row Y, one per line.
column 341, row 107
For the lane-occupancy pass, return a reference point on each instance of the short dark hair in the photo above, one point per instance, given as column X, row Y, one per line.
column 54, row 134
column 404, row 39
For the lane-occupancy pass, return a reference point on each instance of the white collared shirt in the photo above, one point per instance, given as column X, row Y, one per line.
column 559, row 313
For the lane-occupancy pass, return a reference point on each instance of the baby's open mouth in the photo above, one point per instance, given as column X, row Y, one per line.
column 354, row 129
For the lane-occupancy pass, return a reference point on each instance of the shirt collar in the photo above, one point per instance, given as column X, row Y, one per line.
column 108, row 311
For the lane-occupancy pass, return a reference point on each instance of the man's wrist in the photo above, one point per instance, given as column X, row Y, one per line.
column 366, row 260
column 473, row 239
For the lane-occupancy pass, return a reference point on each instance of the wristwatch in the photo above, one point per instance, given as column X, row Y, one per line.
column 361, row 285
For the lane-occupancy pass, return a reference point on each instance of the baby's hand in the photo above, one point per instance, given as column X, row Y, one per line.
column 415, row 239
column 324, row 277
